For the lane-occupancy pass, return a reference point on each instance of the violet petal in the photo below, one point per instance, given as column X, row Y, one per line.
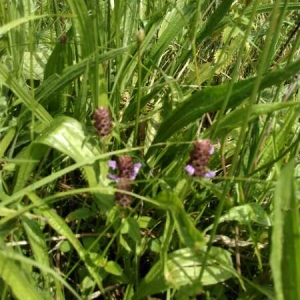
column 190, row 170
column 112, row 164
column 209, row 174
column 136, row 169
column 113, row 177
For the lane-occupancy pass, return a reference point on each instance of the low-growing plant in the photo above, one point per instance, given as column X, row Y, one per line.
column 149, row 149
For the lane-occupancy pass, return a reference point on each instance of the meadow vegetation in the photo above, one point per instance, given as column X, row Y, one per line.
column 149, row 149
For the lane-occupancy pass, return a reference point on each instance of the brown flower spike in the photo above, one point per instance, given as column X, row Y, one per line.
column 199, row 156
column 102, row 121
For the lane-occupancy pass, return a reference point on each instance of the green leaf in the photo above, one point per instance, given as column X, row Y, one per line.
column 22, row 287
column 79, row 214
column 176, row 22
column 285, row 259
column 134, row 230
column 113, row 268
column 214, row 20
column 183, row 267
column 33, row 155
column 266, row 8
column 245, row 214
column 67, row 136
column 65, row 246
column 187, row 231
column 6, row 140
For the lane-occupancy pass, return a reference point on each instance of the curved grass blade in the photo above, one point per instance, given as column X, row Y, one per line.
column 266, row 8
column 214, row 21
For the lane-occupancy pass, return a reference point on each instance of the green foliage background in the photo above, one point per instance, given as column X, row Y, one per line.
column 170, row 72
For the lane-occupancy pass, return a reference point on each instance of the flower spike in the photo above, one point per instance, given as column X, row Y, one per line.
column 198, row 162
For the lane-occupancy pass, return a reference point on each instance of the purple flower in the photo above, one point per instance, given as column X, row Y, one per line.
column 113, row 177
column 112, row 164
column 198, row 162
column 136, row 169
column 125, row 168
column 209, row 174
column 126, row 172
column 190, row 169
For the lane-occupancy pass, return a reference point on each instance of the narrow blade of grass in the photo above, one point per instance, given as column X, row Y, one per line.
column 285, row 259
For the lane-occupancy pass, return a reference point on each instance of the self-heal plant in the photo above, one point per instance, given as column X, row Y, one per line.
column 199, row 157
column 126, row 172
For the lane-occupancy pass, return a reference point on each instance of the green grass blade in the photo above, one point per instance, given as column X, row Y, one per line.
column 11, row 256
column 176, row 23
column 285, row 259
column 17, row 279
column 36, row 108
column 6, row 140
column 60, row 226
column 56, row 83
column 210, row 99
column 236, row 118
column 38, row 244
column 214, row 20
column 33, row 155
column 266, row 8
column 187, row 231
column 7, row 27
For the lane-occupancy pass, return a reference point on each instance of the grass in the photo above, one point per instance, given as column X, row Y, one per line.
column 169, row 73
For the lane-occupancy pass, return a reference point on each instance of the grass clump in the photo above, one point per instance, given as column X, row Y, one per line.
column 149, row 149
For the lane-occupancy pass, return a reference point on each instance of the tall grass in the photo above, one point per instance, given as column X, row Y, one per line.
column 169, row 73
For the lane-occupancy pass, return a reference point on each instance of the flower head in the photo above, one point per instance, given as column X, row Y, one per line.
column 125, row 168
column 102, row 121
column 126, row 172
column 198, row 162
